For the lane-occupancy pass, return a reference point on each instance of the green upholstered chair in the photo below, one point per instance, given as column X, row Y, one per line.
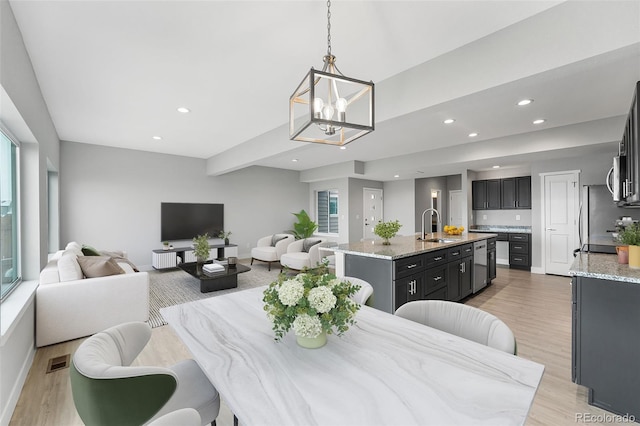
column 107, row 390
column 462, row 320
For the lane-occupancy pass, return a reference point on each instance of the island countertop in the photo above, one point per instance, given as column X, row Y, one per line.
column 405, row 246
column 603, row 266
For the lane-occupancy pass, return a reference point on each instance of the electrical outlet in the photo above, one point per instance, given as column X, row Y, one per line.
column 484, row 217
column 517, row 217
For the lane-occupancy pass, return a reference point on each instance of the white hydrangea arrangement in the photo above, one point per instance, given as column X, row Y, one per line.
column 311, row 302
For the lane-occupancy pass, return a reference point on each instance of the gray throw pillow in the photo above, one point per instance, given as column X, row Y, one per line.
column 99, row 266
column 277, row 237
column 308, row 243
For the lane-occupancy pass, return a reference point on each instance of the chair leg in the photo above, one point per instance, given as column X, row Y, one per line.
column 252, row 260
column 269, row 266
column 235, row 420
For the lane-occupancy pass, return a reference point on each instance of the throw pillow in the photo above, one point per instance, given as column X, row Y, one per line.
column 89, row 251
column 307, row 244
column 119, row 257
column 99, row 266
column 276, row 238
column 68, row 267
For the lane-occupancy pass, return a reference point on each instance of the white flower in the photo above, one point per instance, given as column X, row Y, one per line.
column 322, row 299
column 290, row 292
column 307, row 326
column 334, row 282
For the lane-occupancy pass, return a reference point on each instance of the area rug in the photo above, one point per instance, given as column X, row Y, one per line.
column 173, row 287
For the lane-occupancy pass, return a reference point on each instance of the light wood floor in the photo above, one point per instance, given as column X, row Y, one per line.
column 536, row 307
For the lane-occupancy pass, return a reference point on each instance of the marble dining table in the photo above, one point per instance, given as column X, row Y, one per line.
column 385, row 370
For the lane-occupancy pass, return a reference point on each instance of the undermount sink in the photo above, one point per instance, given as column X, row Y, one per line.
column 436, row 240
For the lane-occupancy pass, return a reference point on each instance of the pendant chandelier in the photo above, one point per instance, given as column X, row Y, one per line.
column 328, row 107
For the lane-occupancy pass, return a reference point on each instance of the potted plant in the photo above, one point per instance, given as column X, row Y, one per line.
column 165, row 245
column 225, row 236
column 305, row 227
column 386, row 230
column 631, row 236
column 314, row 303
column 201, row 250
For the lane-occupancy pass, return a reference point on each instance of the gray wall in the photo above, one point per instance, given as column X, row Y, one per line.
column 18, row 80
column 593, row 170
column 110, row 198
column 399, row 204
column 423, row 200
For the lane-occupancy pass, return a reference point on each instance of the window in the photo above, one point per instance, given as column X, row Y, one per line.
column 9, row 231
column 327, row 211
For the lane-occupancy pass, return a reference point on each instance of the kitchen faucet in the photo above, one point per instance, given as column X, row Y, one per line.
column 424, row 236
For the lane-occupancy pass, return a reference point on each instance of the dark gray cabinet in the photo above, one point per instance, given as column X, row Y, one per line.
column 460, row 279
column 485, row 194
column 507, row 193
column 630, row 153
column 409, row 288
column 520, row 251
column 491, row 259
column 516, row 193
column 606, row 342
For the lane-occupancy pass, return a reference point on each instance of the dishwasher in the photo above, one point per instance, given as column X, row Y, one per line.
column 479, row 265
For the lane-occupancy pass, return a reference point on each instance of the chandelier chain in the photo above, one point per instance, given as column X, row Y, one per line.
column 329, row 27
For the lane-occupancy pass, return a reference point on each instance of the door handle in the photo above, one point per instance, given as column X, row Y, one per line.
column 551, row 229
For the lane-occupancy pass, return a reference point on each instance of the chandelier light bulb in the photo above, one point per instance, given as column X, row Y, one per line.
column 341, row 106
column 318, row 103
column 327, row 112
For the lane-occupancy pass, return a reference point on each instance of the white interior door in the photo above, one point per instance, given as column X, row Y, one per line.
column 372, row 211
column 560, row 221
column 455, row 208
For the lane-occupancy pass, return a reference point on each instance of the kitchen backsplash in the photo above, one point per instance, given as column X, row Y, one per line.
column 501, row 217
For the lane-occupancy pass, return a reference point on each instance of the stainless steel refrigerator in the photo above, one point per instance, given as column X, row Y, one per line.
column 598, row 216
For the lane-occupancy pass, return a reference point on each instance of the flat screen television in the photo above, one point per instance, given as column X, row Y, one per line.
column 183, row 221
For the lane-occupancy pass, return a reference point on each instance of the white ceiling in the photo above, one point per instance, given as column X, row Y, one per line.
column 113, row 73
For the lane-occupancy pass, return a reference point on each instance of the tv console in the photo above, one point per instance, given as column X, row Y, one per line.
column 171, row 258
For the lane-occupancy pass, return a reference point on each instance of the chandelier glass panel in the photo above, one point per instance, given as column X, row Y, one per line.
column 329, row 107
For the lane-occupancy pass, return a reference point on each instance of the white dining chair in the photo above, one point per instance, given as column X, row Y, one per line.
column 107, row 390
column 462, row 320
column 365, row 292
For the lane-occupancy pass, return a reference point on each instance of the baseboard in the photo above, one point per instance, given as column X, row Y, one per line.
column 14, row 395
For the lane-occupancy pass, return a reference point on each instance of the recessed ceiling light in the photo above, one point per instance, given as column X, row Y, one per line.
column 157, row 138
column 473, row 135
column 343, row 147
column 525, row 102
column 295, row 160
column 396, row 176
column 448, row 121
column 539, row 121
column 496, row 167
column 183, row 110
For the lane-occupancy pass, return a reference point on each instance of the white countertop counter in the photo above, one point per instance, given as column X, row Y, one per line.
column 501, row 228
column 603, row 266
column 405, row 246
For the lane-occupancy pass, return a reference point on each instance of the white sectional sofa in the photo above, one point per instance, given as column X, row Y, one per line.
column 70, row 306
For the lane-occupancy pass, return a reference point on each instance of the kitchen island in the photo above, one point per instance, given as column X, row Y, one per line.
column 605, row 332
column 411, row 269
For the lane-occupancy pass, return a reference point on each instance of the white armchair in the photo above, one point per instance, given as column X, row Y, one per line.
column 271, row 248
column 302, row 254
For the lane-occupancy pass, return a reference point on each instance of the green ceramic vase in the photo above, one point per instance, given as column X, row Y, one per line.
column 312, row 342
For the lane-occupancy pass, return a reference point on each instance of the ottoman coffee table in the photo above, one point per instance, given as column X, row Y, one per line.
column 215, row 280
